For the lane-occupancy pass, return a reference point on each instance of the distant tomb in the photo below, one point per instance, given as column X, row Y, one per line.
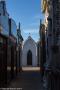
column 29, row 53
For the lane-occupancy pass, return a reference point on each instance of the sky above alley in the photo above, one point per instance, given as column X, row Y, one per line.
column 28, row 13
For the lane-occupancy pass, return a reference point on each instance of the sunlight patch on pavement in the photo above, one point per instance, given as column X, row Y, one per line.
column 30, row 68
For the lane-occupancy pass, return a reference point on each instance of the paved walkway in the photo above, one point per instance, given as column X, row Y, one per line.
column 27, row 80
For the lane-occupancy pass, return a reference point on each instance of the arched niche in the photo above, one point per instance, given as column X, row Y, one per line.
column 29, row 58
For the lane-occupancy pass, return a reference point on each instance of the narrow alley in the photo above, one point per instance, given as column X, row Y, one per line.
column 28, row 80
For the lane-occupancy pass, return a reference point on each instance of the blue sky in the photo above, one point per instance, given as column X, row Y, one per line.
column 28, row 13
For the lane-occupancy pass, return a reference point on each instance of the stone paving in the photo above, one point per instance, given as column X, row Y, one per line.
column 27, row 80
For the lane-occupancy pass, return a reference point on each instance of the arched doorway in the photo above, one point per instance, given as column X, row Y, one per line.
column 29, row 58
